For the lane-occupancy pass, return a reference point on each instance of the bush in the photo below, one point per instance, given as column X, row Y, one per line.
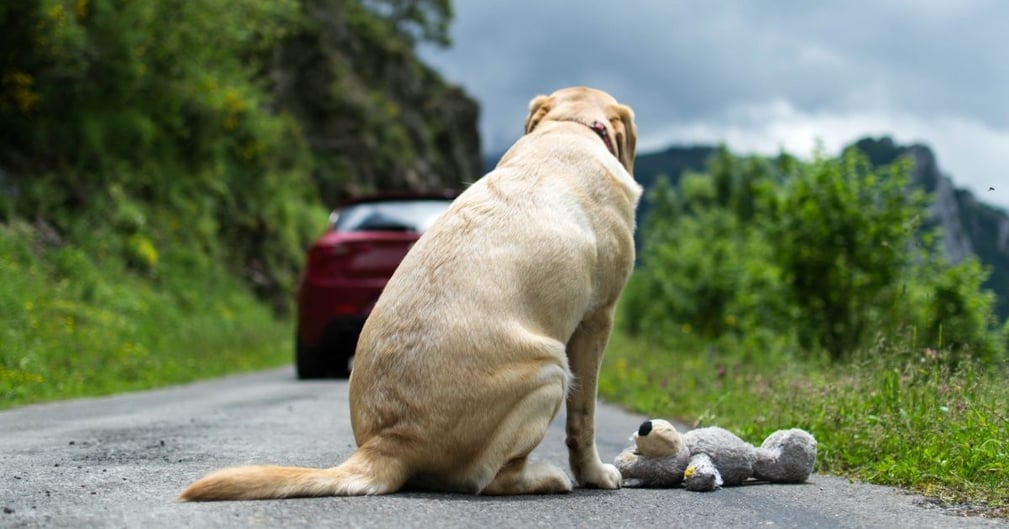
column 820, row 256
column 113, row 107
column 843, row 233
column 80, row 323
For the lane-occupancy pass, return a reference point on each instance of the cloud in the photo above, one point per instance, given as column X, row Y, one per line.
column 973, row 149
column 757, row 75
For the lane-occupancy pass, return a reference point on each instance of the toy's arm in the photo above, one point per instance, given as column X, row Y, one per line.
column 649, row 471
column 701, row 474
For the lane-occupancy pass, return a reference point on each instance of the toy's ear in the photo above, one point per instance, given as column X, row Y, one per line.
column 657, row 438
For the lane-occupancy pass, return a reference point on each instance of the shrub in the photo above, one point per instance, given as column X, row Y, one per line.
column 826, row 255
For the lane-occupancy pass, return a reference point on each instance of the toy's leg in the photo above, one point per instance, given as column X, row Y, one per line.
column 701, row 474
column 787, row 456
column 585, row 351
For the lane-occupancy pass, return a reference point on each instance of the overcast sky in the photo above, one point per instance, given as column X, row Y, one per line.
column 756, row 74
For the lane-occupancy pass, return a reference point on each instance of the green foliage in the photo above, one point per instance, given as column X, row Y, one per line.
column 716, row 279
column 958, row 312
column 977, row 222
column 844, row 234
column 821, row 256
column 78, row 321
column 375, row 117
column 892, row 416
column 424, row 20
column 159, row 113
column 151, row 175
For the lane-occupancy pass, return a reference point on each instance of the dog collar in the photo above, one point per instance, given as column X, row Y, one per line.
column 603, row 134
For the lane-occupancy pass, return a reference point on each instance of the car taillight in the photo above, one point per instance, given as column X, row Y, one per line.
column 345, row 309
column 328, row 259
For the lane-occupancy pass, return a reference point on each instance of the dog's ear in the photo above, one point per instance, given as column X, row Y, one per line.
column 538, row 107
column 626, row 136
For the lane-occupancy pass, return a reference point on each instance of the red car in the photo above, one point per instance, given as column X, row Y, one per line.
column 346, row 270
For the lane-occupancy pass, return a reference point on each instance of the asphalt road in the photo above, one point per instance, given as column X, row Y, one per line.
column 121, row 461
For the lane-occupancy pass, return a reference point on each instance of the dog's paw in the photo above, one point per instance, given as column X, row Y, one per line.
column 601, row 477
column 534, row 478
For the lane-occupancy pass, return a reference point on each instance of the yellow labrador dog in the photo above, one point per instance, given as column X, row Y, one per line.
column 497, row 316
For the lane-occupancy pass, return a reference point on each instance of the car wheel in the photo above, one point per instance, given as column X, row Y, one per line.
column 320, row 362
column 309, row 361
column 344, row 362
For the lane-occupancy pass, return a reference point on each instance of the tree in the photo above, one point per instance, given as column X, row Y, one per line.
column 843, row 235
column 706, row 267
column 422, row 20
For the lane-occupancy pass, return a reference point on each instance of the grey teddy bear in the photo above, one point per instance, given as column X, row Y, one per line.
column 707, row 458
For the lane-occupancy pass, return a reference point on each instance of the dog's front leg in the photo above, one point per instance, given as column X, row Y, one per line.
column 585, row 353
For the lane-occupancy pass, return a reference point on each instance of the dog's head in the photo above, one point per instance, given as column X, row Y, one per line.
column 589, row 106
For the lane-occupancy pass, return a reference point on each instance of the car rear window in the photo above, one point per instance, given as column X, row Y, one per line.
column 398, row 215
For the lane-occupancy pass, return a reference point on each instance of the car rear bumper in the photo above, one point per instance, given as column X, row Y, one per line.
column 332, row 310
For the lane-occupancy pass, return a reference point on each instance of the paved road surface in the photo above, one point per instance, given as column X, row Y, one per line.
column 121, row 461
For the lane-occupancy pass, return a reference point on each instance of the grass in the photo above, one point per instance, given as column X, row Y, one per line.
column 79, row 320
column 895, row 416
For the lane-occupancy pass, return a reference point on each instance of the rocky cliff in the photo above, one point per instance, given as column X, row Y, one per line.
column 376, row 117
column 969, row 226
column 221, row 133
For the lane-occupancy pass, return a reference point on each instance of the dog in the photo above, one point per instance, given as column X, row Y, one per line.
column 496, row 317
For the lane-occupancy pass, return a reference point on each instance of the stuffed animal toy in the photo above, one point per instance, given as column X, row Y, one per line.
column 707, row 458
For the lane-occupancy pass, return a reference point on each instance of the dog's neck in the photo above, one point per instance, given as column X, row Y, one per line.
column 603, row 134
column 599, row 128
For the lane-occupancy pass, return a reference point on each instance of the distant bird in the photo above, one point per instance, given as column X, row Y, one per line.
column 991, row 189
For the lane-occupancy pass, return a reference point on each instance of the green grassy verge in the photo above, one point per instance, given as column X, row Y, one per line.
column 903, row 418
column 80, row 321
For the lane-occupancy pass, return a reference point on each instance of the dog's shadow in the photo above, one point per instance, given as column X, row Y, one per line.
column 424, row 495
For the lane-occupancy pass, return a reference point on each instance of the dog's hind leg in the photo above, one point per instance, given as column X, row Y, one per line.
column 518, row 435
column 520, row 476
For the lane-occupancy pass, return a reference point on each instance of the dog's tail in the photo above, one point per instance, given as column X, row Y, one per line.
column 359, row 476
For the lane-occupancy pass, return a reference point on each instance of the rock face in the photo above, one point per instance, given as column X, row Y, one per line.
column 969, row 227
column 946, row 207
column 376, row 118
